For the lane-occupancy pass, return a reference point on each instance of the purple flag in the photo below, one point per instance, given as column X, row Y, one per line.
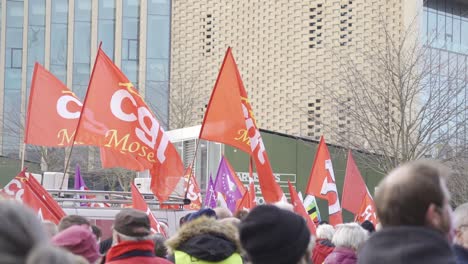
column 210, row 196
column 226, row 185
column 79, row 184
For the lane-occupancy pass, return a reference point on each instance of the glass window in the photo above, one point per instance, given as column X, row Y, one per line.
column 14, row 14
column 36, row 39
column 158, row 36
column 157, row 70
column 130, row 39
column 106, row 26
column 464, row 36
column 157, row 94
column 81, row 47
column 159, row 7
column 59, row 39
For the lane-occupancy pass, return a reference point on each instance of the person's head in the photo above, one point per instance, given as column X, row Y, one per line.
column 323, row 222
column 325, row 231
column 208, row 212
column 369, row 226
column 160, row 249
column 80, row 241
column 461, row 225
column 20, row 232
column 222, row 212
column 50, row 228
column 48, row 254
column 131, row 225
column 284, row 205
column 273, row 235
column 71, row 220
column 231, row 221
column 97, row 232
column 350, row 235
column 415, row 194
column 241, row 214
column 184, row 219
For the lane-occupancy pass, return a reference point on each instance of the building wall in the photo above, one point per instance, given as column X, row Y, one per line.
column 290, row 54
column 63, row 35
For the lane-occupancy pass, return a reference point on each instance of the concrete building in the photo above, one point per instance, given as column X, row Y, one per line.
column 290, row 52
column 63, row 35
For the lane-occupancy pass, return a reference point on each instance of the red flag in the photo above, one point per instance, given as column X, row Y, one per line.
column 367, row 210
column 245, row 203
column 354, row 188
column 322, row 183
column 139, row 203
column 193, row 192
column 115, row 116
column 229, row 120
column 48, row 200
column 39, row 205
column 253, row 195
column 300, row 209
column 53, row 111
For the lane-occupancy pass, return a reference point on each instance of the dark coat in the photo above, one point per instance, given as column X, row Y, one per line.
column 406, row 245
column 342, row 255
column 461, row 254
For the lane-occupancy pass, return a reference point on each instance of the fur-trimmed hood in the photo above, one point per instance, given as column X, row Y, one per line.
column 206, row 239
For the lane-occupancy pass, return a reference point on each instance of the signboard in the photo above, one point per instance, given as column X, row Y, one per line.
column 281, row 179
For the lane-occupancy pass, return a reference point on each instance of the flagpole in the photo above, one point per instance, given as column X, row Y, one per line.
column 22, row 155
column 204, row 118
column 79, row 120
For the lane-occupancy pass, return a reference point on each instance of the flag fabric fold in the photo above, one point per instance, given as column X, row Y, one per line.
column 367, row 211
column 322, row 183
column 210, row 196
column 300, row 209
column 114, row 116
column 229, row 119
column 354, row 187
column 225, row 185
column 139, row 203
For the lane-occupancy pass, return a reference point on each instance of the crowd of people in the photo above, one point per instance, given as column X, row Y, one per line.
column 416, row 225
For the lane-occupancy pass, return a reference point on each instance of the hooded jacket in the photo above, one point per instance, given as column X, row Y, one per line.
column 461, row 254
column 406, row 245
column 341, row 255
column 323, row 248
column 205, row 240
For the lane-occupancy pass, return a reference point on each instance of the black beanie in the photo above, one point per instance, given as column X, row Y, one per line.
column 273, row 235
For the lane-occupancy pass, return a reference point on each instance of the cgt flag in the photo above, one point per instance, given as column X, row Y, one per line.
column 354, row 187
column 322, row 183
column 367, row 211
column 229, row 119
column 114, row 116
column 139, row 203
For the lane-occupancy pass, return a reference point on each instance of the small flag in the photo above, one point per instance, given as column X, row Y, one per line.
column 226, row 187
column 210, row 196
column 312, row 209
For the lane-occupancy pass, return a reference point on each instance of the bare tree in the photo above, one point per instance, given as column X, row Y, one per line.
column 408, row 102
column 183, row 101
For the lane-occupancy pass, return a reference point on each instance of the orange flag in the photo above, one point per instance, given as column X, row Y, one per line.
column 367, row 211
column 322, row 183
column 300, row 209
column 115, row 116
column 139, row 203
column 354, row 188
column 245, row 203
column 53, row 111
column 53, row 114
column 229, row 120
column 253, row 195
column 193, row 191
column 39, row 205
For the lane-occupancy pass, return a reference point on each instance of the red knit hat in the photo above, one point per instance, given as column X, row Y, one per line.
column 79, row 240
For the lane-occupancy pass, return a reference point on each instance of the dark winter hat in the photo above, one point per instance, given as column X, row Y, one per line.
column 131, row 222
column 367, row 225
column 208, row 212
column 273, row 235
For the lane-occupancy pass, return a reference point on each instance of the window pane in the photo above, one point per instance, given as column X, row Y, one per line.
column 130, row 69
column 59, row 11
column 37, row 13
column 14, row 14
column 157, row 70
column 131, row 8
column 159, row 7
column 36, row 44
column 83, row 10
column 130, row 38
column 158, row 37
column 59, row 39
column 106, row 26
column 157, row 98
